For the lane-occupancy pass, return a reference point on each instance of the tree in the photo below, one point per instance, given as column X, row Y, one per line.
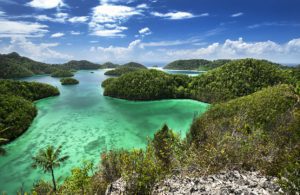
column 48, row 159
column 2, row 151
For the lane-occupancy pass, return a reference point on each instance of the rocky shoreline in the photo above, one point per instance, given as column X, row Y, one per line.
column 225, row 182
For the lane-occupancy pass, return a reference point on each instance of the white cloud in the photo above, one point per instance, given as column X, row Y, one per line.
column 78, row 19
column 58, row 17
column 21, row 29
column 229, row 49
column 2, row 13
column 107, row 19
column 237, row 14
column 174, row 15
column 57, row 35
column 75, row 33
column 46, row 4
column 142, row 6
column 274, row 24
column 145, row 31
column 40, row 52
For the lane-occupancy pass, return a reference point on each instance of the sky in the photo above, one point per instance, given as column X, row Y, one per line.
column 152, row 32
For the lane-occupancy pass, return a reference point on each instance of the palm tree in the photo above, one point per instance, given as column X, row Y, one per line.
column 2, row 151
column 48, row 159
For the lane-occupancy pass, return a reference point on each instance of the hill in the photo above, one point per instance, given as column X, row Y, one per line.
column 237, row 78
column 126, row 68
column 195, row 64
column 109, row 65
column 146, row 85
column 14, row 66
column 81, row 65
column 257, row 131
column 17, row 109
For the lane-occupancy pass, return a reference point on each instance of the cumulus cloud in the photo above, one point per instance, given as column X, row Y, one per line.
column 174, row 15
column 57, row 35
column 40, row 52
column 46, row 4
column 106, row 19
column 21, row 29
column 229, row 49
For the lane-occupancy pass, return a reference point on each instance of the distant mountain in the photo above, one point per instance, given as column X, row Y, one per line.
column 126, row 68
column 195, row 64
column 81, row 65
column 109, row 65
column 15, row 66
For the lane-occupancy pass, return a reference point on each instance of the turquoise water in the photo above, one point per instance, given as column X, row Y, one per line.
column 86, row 123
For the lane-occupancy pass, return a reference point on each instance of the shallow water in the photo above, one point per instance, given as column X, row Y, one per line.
column 86, row 123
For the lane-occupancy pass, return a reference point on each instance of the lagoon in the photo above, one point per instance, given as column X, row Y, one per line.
column 86, row 123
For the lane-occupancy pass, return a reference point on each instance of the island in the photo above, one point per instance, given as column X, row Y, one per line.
column 195, row 64
column 17, row 107
column 126, row 68
column 62, row 73
column 69, row 81
column 234, row 79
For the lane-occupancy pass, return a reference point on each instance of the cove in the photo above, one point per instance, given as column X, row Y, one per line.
column 86, row 123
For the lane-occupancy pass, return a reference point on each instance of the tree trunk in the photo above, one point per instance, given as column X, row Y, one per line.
column 53, row 180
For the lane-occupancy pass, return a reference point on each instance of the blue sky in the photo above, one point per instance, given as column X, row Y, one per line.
column 150, row 31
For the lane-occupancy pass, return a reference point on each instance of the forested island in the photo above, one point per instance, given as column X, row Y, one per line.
column 69, row 81
column 252, row 125
column 126, row 68
column 17, row 107
column 195, row 64
column 15, row 66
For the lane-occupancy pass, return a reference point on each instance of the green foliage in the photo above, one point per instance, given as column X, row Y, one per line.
column 290, row 178
column 62, row 73
column 166, row 145
column 259, row 131
column 109, row 65
column 126, row 68
column 14, row 66
column 29, row 90
column 80, row 181
column 195, row 64
column 69, row 81
column 81, row 65
column 120, row 71
column 48, row 159
column 42, row 188
column 147, row 85
column 236, row 79
column 16, row 114
column 16, row 109
column 141, row 169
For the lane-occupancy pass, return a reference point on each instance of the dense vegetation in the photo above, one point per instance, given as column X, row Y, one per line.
column 109, row 65
column 235, row 79
column 69, row 81
column 14, row 66
column 147, row 85
column 126, row 68
column 62, row 73
column 81, row 65
column 16, row 107
column 195, row 64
